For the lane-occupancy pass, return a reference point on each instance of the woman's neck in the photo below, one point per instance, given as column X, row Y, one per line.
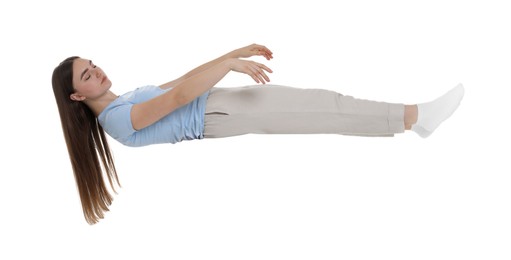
column 99, row 104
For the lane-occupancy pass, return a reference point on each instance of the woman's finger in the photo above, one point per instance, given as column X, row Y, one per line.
column 261, row 51
column 253, row 73
column 262, row 68
column 268, row 53
column 260, row 72
column 265, row 54
column 254, row 77
column 265, row 68
column 257, row 73
column 264, row 48
column 265, row 76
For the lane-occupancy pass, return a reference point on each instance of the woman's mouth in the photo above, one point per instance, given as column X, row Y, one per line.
column 103, row 79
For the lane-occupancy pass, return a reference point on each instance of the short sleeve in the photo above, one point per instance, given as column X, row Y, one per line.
column 117, row 121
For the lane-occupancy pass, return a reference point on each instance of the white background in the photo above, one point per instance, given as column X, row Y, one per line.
column 266, row 197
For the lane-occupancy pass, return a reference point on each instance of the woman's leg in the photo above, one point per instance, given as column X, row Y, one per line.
column 274, row 109
column 411, row 114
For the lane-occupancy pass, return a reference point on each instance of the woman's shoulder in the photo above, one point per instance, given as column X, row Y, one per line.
column 130, row 98
column 142, row 94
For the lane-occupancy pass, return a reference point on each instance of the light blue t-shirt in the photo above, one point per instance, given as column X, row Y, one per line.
column 185, row 123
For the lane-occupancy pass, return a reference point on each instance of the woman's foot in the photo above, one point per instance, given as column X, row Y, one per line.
column 432, row 114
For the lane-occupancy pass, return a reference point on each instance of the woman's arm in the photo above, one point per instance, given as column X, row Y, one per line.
column 244, row 52
column 147, row 113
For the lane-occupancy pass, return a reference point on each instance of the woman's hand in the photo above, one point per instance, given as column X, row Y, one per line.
column 251, row 68
column 251, row 50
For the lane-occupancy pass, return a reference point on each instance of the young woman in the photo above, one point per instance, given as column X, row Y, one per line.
column 191, row 108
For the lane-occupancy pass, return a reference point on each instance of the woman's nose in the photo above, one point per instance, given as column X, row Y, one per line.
column 97, row 72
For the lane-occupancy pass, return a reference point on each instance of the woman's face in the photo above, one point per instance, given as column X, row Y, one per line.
column 89, row 81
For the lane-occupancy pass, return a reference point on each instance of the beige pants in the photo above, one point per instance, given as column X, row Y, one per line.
column 271, row 109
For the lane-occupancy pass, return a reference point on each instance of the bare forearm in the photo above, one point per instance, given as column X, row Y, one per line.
column 209, row 64
column 203, row 80
column 199, row 70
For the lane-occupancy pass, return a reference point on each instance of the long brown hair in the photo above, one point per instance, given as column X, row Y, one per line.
column 86, row 144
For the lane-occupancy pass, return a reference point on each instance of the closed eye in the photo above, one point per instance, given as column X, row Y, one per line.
column 93, row 66
column 87, row 71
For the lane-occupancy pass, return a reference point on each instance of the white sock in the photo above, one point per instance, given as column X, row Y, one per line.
column 433, row 113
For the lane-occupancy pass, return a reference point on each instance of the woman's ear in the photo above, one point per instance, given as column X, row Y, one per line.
column 76, row 97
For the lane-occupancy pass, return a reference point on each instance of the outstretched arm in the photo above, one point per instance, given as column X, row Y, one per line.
column 147, row 113
column 244, row 52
